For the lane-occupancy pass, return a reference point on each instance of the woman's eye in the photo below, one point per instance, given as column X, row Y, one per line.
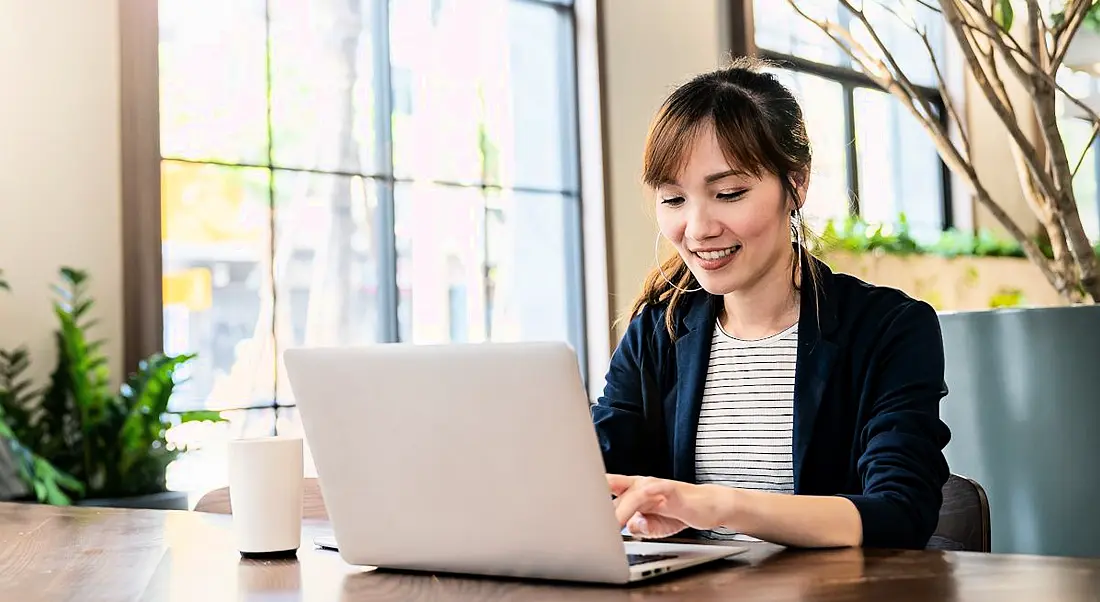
column 676, row 200
column 729, row 196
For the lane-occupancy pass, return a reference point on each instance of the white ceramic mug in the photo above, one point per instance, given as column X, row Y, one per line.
column 265, row 491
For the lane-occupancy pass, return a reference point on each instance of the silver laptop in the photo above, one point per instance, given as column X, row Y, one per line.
column 474, row 459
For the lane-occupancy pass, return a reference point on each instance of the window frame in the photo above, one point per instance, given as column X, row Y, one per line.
column 742, row 41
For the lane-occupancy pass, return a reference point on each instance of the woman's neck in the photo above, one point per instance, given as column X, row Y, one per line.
column 768, row 306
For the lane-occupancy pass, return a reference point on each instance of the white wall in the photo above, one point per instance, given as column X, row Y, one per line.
column 59, row 166
column 649, row 46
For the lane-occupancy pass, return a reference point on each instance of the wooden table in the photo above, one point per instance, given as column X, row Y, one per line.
column 91, row 554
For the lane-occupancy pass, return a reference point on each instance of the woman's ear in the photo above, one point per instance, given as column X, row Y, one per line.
column 800, row 181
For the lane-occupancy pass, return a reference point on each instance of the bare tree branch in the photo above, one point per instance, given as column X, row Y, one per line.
column 1008, row 118
column 1088, row 145
column 1044, row 100
column 1040, row 189
column 948, row 151
column 911, row 24
column 1031, row 250
column 1062, row 224
column 1037, row 32
column 988, row 65
column 941, row 84
column 1057, row 207
column 1063, row 34
column 898, row 74
column 1046, row 111
column 941, row 81
column 1018, row 50
column 929, row 6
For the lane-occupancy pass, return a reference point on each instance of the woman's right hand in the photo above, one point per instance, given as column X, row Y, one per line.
column 657, row 508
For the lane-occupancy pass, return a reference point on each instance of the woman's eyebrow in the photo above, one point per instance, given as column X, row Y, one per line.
column 714, row 177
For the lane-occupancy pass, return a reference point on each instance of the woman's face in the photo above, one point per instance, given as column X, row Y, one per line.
column 731, row 228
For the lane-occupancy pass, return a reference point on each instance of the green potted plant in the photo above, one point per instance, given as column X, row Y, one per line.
column 77, row 441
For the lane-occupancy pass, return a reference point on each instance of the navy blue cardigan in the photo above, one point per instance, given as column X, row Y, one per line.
column 868, row 384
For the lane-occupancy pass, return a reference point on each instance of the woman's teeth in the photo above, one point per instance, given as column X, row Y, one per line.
column 712, row 255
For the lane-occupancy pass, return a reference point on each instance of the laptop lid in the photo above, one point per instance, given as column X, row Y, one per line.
column 475, row 458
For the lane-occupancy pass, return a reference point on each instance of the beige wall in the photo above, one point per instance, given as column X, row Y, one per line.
column 59, row 165
column 993, row 161
column 991, row 150
column 649, row 46
column 956, row 284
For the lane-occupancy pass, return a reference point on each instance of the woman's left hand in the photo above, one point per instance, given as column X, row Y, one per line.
column 656, row 508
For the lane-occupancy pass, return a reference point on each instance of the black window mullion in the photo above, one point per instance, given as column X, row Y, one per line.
column 850, row 150
column 851, row 80
column 948, row 220
column 385, row 235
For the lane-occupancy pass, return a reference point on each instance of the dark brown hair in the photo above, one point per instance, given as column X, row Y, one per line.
column 760, row 129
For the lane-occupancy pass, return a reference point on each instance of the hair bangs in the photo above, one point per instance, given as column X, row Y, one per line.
column 730, row 115
column 742, row 134
column 669, row 144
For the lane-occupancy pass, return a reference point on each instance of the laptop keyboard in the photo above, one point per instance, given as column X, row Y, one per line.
column 635, row 559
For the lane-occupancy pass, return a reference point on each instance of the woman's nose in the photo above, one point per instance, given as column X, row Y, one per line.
column 701, row 225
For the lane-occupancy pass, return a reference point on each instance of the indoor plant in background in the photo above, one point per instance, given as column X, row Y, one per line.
column 77, row 441
column 1023, row 384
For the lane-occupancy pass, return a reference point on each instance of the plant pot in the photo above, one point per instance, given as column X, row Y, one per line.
column 1024, row 407
column 168, row 500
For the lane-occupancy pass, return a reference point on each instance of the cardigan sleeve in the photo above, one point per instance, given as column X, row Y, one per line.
column 619, row 414
column 902, row 466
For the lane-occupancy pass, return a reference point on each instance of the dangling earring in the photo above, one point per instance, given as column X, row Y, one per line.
column 796, row 227
column 657, row 257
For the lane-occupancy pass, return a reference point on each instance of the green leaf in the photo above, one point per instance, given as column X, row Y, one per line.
column 1003, row 14
column 82, row 308
column 73, row 276
column 1006, row 297
column 201, row 416
column 145, row 397
column 64, row 480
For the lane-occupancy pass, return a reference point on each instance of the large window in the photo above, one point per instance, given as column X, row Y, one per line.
column 871, row 157
column 344, row 172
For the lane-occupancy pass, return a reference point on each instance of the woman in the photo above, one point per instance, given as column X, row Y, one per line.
column 749, row 372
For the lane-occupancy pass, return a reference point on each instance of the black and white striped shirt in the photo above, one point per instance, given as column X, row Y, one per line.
column 746, row 418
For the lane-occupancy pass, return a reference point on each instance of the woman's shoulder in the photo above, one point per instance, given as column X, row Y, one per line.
column 651, row 322
column 647, row 322
column 858, row 292
column 864, row 306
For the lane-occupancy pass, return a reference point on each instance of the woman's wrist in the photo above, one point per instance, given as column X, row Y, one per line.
column 727, row 505
column 805, row 521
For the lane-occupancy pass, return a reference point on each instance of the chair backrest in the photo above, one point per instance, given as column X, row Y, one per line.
column 964, row 517
column 313, row 504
